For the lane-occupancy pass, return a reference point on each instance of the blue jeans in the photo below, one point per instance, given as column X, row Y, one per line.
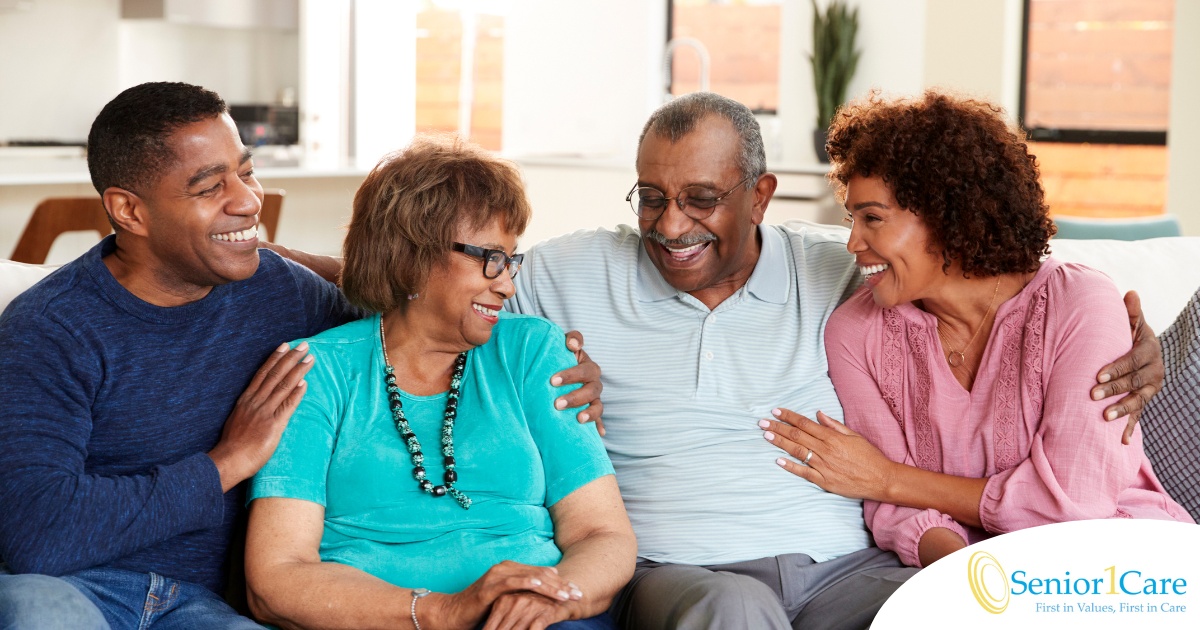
column 600, row 622
column 112, row 599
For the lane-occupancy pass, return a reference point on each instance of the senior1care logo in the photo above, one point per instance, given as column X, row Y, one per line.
column 1094, row 574
column 994, row 597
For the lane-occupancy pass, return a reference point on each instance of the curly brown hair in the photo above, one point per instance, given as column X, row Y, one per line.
column 956, row 164
column 408, row 211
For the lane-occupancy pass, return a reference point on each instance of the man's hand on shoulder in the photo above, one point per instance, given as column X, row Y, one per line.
column 1138, row 375
column 586, row 372
column 253, row 430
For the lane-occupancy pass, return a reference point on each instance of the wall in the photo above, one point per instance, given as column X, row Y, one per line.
column 1183, row 139
column 58, row 66
column 580, row 77
column 243, row 66
column 965, row 47
column 62, row 60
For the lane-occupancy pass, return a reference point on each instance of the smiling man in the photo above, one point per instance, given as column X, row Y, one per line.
column 706, row 320
column 121, row 431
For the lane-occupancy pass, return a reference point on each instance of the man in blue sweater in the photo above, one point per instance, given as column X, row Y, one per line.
column 122, row 443
column 120, row 433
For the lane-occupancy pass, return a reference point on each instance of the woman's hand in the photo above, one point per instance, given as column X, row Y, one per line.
column 469, row 607
column 587, row 373
column 518, row 611
column 842, row 461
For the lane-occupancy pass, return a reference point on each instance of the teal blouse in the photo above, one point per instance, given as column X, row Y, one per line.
column 516, row 456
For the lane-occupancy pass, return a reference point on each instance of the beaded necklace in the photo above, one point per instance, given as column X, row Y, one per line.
column 410, row 438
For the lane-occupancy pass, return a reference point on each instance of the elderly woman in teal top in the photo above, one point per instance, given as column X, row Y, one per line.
column 426, row 480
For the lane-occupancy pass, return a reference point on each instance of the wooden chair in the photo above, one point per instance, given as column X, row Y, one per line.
column 268, row 217
column 58, row 215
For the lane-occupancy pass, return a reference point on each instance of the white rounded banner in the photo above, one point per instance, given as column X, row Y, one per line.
column 1113, row 573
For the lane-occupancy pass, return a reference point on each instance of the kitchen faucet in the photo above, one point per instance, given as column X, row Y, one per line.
column 700, row 49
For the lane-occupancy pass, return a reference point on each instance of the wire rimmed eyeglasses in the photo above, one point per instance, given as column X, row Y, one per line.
column 494, row 260
column 696, row 202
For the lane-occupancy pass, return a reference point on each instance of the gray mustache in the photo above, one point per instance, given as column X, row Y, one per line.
column 686, row 240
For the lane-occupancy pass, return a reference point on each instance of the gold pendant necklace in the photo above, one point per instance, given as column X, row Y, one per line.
column 958, row 358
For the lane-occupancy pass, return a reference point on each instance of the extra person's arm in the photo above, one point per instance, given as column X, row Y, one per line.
column 289, row 586
column 1136, row 376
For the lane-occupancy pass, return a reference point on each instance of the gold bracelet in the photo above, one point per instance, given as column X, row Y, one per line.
column 417, row 593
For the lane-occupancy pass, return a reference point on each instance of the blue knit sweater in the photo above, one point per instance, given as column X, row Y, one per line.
column 109, row 405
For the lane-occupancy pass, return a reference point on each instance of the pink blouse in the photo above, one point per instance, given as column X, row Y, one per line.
column 1028, row 425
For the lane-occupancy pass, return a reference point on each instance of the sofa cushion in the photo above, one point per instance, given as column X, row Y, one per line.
column 1164, row 271
column 15, row 277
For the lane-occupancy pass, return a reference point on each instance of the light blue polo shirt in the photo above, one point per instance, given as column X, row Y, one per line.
column 685, row 387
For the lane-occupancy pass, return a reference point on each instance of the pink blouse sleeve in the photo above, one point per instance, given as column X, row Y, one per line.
column 853, row 348
column 1077, row 465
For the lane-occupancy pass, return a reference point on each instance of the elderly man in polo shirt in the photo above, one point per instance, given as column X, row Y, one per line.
column 703, row 321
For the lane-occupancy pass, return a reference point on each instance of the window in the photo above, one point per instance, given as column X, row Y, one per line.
column 742, row 42
column 1094, row 99
column 460, row 66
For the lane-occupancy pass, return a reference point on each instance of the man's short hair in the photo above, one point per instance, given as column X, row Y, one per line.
column 680, row 116
column 408, row 212
column 127, row 145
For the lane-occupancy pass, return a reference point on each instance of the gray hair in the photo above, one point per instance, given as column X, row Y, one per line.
column 680, row 116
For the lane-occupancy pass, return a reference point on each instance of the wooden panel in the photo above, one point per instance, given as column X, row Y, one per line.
column 1100, row 10
column 1099, row 70
column 439, row 55
column 1099, row 64
column 1103, row 180
column 743, row 45
column 1143, row 40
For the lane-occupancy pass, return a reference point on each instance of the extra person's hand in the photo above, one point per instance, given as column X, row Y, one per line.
column 842, row 461
column 252, row 431
column 587, row 373
column 1139, row 374
column 467, row 608
column 521, row 611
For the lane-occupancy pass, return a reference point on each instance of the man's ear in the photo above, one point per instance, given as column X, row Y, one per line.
column 763, row 190
column 125, row 209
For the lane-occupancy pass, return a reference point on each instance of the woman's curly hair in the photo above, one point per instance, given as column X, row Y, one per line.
column 956, row 164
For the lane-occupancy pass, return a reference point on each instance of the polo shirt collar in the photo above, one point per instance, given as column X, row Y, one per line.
column 768, row 282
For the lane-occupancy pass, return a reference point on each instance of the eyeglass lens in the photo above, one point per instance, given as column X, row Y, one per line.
column 497, row 262
column 651, row 202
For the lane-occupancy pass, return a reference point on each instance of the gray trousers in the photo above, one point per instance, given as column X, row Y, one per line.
column 781, row 593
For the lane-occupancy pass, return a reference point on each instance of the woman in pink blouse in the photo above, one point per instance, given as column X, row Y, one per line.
column 966, row 358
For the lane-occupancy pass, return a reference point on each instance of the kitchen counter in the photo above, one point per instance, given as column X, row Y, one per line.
column 35, row 166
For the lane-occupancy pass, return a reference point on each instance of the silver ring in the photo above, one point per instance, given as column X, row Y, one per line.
column 808, row 457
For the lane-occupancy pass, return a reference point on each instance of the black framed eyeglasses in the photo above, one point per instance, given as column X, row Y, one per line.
column 696, row 202
column 494, row 260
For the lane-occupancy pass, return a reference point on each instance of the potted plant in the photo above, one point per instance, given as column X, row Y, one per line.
column 834, row 60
